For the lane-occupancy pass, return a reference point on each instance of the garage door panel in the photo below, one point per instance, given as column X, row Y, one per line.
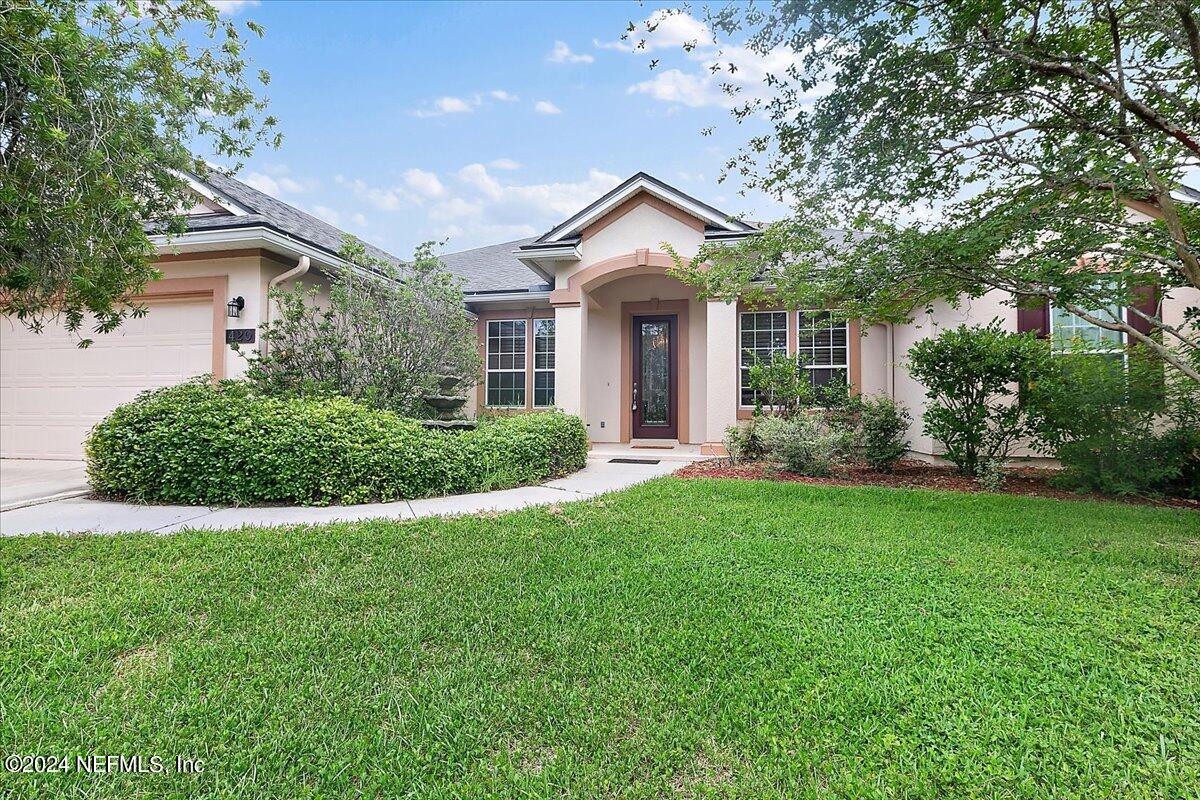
column 52, row 392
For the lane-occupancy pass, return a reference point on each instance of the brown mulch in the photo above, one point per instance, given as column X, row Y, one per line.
column 1028, row 481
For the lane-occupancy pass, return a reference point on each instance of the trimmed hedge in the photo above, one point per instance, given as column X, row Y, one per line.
column 203, row 444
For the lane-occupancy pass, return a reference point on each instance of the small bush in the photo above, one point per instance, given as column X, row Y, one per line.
column 744, row 441
column 780, row 386
column 806, row 444
column 225, row 444
column 972, row 377
column 990, row 475
column 1119, row 425
column 882, row 432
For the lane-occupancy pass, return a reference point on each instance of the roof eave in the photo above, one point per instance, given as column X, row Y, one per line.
column 642, row 181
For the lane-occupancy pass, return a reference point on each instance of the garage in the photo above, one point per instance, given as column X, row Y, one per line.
column 52, row 392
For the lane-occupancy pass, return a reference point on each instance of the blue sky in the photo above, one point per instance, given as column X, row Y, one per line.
column 483, row 122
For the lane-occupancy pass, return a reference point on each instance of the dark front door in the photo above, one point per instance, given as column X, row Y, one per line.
column 655, row 383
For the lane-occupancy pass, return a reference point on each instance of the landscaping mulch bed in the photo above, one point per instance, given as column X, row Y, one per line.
column 910, row 474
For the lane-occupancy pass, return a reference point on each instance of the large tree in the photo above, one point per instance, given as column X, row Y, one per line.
column 104, row 106
column 975, row 145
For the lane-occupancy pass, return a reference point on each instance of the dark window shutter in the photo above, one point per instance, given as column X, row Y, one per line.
column 1147, row 303
column 1034, row 317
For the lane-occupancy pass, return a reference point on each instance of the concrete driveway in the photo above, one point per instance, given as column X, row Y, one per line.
column 26, row 482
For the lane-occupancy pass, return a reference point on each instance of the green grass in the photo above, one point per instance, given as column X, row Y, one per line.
column 684, row 638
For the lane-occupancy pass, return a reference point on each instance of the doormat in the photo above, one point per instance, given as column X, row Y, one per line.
column 652, row 446
column 633, row 460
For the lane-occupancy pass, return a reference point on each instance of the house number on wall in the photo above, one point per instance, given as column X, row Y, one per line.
column 239, row 336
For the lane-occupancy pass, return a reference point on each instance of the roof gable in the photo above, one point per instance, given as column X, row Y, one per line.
column 713, row 219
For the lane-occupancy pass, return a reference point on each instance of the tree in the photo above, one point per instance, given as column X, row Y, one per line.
column 383, row 337
column 103, row 103
column 974, row 145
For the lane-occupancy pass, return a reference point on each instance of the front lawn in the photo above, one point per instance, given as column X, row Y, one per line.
column 684, row 638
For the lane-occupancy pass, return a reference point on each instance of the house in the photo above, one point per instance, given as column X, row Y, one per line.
column 584, row 318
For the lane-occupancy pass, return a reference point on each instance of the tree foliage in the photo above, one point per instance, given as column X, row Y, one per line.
column 102, row 105
column 974, row 145
column 382, row 337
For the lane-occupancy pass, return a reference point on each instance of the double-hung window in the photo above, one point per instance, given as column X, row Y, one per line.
column 506, row 363
column 823, row 348
column 543, row 363
column 1070, row 333
column 762, row 335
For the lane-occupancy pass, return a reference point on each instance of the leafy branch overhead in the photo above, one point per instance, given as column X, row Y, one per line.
column 103, row 106
column 1034, row 148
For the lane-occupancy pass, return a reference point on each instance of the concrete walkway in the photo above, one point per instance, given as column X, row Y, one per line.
column 81, row 515
column 24, row 482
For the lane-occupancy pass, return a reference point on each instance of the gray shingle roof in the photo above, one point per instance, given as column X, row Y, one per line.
column 272, row 213
column 493, row 268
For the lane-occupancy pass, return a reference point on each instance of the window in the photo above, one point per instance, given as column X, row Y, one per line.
column 823, row 348
column 1072, row 333
column 543, row 362
column 506, row 363
column 763, row 333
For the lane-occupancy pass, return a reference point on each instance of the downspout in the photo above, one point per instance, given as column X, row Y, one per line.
column 891, row 356
column 295, row 272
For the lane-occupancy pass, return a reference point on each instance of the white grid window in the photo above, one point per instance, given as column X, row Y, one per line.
column 506, row 363
column 823, row 348
column 543, row 363
column 1071, row 332
column 762, row 334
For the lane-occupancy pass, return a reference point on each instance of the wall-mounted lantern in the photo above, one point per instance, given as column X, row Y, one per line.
column 235, row 307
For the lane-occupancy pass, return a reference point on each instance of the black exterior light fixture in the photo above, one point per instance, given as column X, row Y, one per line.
column 234, row 307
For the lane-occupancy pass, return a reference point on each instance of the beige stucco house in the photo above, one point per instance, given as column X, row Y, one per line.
column 584, row 318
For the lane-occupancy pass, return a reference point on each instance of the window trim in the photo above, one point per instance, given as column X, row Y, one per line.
column 533, row 360
column 788, row 347
column 523, row 371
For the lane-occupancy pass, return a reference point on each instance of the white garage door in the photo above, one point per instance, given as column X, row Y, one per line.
column 52, row 392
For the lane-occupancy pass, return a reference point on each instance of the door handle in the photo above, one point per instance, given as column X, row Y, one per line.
column 634, row 397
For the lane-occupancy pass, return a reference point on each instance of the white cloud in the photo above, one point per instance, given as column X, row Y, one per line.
column 504, row 163
column 546, row 107
column 230, row 7
column 424, row 183
column 383, row 198
column 561, row 54
column 719, row 68
column 714, row 68
column 462, row 105
column 276, row 180
column 676, row 86
column 660, row 31
column 476, row 208
column 476, row 175
column 447, row 105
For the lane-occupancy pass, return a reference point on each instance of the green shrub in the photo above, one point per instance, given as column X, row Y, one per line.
column 225, row 444
column 806, row 444
column 1119, row 425
column 882, row 432
column 972, row 378
column 780, row 385
column 744, row 441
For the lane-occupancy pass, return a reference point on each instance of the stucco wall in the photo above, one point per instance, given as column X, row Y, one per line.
column 244, row 276
column 641, row 227
column 248, row 276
